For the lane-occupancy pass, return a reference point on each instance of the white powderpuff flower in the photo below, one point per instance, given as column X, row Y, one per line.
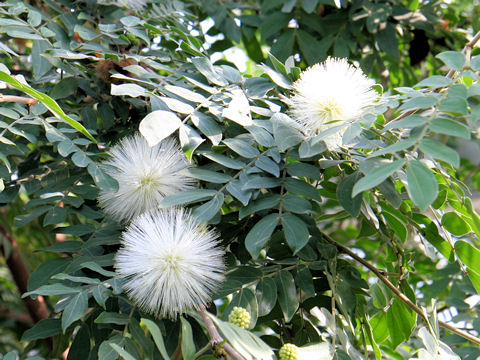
column 330, row 94
column 145, row 176
column 169, row 263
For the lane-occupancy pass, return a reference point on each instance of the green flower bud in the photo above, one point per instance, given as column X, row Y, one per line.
column 240, row 317
column 288, row 352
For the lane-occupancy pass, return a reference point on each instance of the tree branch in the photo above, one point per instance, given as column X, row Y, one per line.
column 36, row 308
column 397, row 292
column 18, row 99
column 215, row 336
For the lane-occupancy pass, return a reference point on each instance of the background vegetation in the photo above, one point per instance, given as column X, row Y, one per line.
column 81, row 75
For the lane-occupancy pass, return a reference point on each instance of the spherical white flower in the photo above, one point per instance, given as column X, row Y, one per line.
column 169, row 263
column 145, row 176
column 330, row 94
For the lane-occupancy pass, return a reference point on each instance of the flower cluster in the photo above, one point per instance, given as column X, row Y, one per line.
column 333, row 93
column 168, row 262
column 240, row 317
column 145, row 176
column 288, row 352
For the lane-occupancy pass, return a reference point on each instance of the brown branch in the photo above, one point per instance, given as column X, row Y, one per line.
column 18, row 99
column 36, row 308
column 397, row 292
column 215, row 336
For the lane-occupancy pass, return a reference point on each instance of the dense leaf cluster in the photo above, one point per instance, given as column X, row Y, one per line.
column 399, row 196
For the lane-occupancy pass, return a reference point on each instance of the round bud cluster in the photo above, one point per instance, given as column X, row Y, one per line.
column 240, row 317
column 288, row 352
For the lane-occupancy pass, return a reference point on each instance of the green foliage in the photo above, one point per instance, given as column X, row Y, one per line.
column 398, row 194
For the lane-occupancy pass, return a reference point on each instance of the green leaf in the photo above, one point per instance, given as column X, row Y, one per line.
column 397, row 225
column 450, row 127
column 455, row 224
column 238, row 109
column 430, row 233
column 308, row 148
column 209, row 176
column 242, row 147
column 268, row 165
column 207, row 211
column 101, row 294
column 380, row 326
column 435, row 82
column 285, row 131
column 300, row 187
column 102, row 179
column 157, row 337
column 47, row 101
column 187, row 344
column 454, row 60
column 122, row 352
column 469, row 255
column 261, row 182
column 80, row 348
column 258, row 236
column 439, row 151
column 112, row 318
column 398, row 146
column 304, row 280
column 139, row 335
column 76, row 308
column 390, row 192
column 106, row 352
column 411, row 121
column 22, row 220
column 43, row 329
column 79, row 279
column 207, row 126
column 454, row 104
column 244, row 274
column 187, row 197
column 299, row 169
column 422, row 185
column 401, row 322
column 377, row 176
column 190, row 140
column 245, row 342
column 205, row 67
column 344, row 194
column 387, row 41
column 420, row 102
column 235, row 188
column 287, row 294
column 276, row 77
column 132, row 90
column 266, row 293
column 40, row 65
column 296, row 232
column 46, row 269
column 55, row 215
column 296, row 204
column 158, row 125
column 54, row 289
column 224, row 160
column 262, row 203
column 65, row 246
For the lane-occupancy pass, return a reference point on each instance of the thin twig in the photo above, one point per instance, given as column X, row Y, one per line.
column 18, row 99
column 397, row 292
column 215, row 336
